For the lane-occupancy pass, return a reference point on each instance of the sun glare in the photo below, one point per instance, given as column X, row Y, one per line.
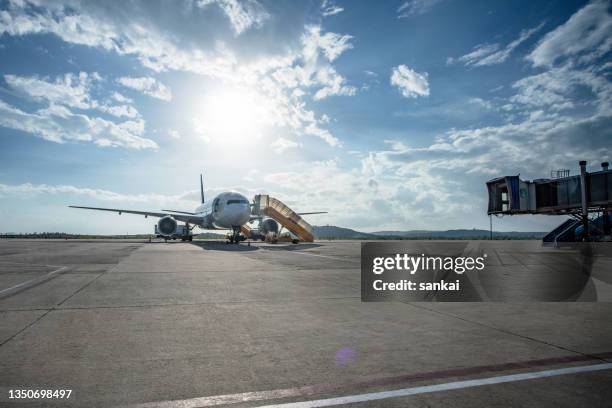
column 232, row 115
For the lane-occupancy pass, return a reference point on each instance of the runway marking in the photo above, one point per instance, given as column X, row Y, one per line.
column 311, row 254
column 380, row 382
column 326, row 256
column 405, row 392
column 31, row 282
column 4, row 263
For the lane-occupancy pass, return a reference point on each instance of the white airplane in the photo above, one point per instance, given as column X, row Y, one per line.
column 228, row 210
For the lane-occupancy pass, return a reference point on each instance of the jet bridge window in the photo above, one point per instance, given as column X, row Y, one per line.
column 237, row 202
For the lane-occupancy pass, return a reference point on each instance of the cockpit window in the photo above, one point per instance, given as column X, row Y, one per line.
column 237, row 201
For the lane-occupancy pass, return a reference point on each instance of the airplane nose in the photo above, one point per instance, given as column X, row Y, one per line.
column 245, row 214
column 240, row 214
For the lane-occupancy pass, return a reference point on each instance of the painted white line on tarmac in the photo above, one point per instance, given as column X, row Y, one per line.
column 31, row 282
column 374, row 396
column 319, row 255
column 228, row 399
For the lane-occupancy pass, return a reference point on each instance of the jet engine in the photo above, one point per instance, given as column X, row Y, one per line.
column 268, row 225
column 166, row 226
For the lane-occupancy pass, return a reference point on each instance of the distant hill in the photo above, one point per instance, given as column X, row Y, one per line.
column 461, row 233
column 332, row 232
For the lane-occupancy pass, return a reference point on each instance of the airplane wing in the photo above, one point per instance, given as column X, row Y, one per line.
column 193, row 219
column 179, row 212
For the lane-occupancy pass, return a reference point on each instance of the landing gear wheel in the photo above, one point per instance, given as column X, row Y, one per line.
column 235, row 237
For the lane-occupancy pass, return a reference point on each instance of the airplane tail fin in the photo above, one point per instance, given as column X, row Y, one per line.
column 201, row 188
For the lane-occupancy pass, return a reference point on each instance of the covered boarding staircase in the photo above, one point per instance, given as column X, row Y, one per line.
column 266, row 206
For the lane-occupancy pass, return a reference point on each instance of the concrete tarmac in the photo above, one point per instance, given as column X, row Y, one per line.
column 127, row 323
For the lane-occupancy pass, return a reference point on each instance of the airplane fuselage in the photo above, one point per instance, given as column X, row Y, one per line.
column 227, row 210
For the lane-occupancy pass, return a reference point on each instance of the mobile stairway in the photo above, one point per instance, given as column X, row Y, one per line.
column 266, row 206
column 246, row 230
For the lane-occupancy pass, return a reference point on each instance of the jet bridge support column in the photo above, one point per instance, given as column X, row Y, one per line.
column 606, row 212
column 583, row 188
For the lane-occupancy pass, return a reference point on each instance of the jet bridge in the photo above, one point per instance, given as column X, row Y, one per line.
column 580, row 196
column 264, row 205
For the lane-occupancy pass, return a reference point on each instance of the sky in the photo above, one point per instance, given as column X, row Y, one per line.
column 389, row 115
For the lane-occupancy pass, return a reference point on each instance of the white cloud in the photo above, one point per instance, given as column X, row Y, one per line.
column 69, row 90
column 148, row 86
column 330, row 8
column 281, row 144
column 242, row 14
column 555, row 89
column 85, row 24
column 478, row 52
column 493, row 54
column 588, row 34
column 573, row 86
column 312, row 68
column 502, row 55
column 334, row 84
column 411, row 83
column 410, row 200
column 530, row 147
column 481, row 102
column 187, row 198
column 415, row 7
column 538, row 136
column 331, row 44
column 120, row 111
column 313, row 129
column 58, row 124
column 121, row 98
column 540, row 141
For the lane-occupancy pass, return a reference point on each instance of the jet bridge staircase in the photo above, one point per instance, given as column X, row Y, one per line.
column 266, row 206
column 563, row 233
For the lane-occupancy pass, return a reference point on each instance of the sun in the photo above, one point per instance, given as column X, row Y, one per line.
column 234, row 115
